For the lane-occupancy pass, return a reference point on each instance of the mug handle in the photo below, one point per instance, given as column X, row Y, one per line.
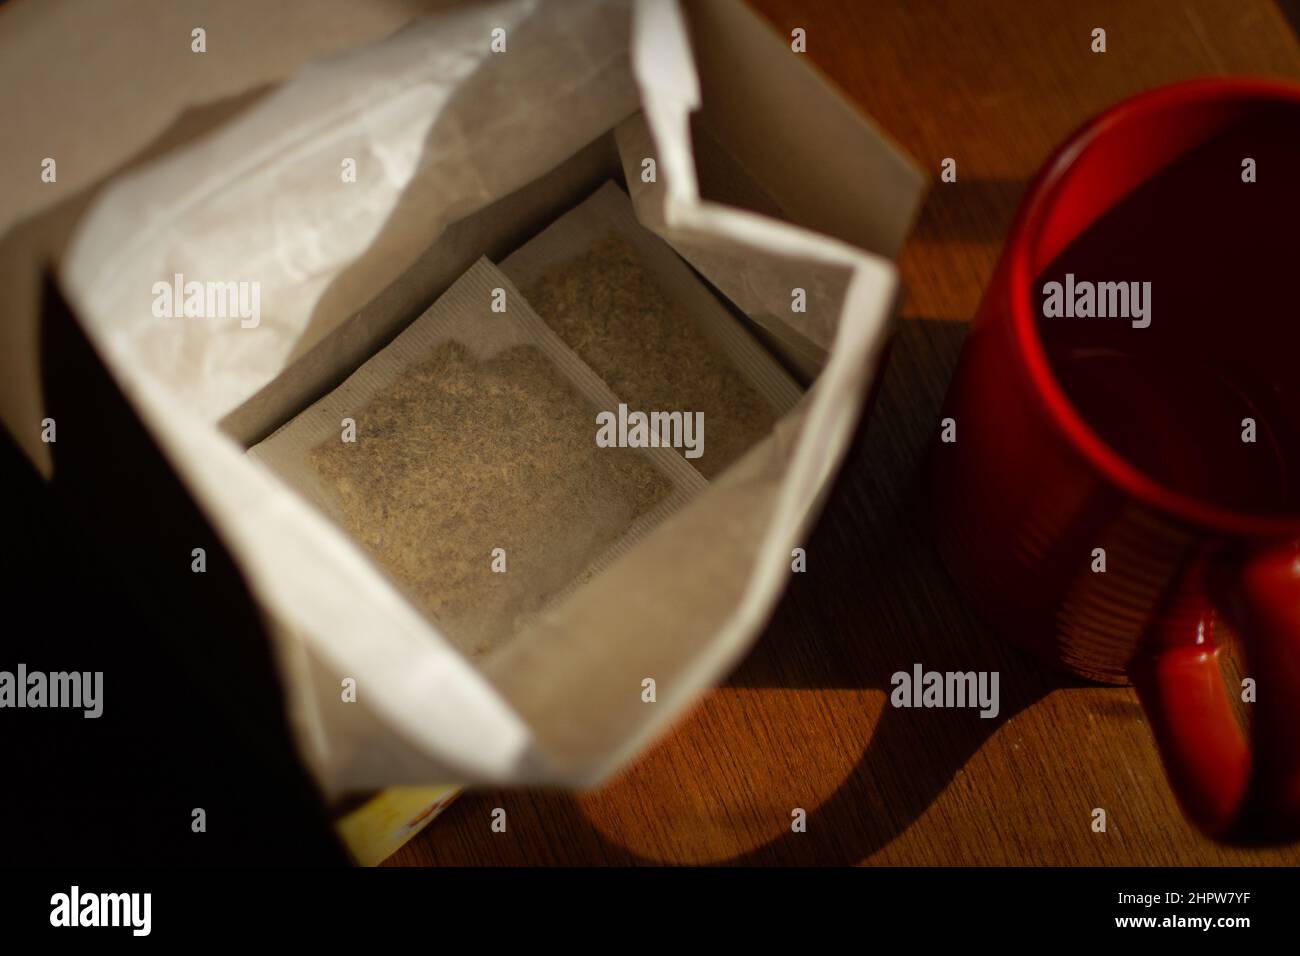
column 1232, row 790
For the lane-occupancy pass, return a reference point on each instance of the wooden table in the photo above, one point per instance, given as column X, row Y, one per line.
column 804, row 721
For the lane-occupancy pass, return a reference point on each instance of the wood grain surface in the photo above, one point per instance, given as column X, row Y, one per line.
column 804, row 722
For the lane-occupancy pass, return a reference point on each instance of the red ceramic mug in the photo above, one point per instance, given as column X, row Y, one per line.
column 1029, row 490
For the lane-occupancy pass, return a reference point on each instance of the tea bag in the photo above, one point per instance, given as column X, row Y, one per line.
column 463, row 459
column 636, row 313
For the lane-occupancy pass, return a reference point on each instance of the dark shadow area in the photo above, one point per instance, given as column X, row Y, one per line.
column 97, row 575
column 974, row 210
column 96, row 571
column 1291, row 11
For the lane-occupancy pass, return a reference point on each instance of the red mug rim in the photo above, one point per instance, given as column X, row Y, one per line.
column 1100, row 456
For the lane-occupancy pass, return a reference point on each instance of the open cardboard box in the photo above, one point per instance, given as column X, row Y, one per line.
column 774, row 183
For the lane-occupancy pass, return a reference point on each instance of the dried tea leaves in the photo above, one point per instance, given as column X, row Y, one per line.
column 637, row 315
column 460, row 456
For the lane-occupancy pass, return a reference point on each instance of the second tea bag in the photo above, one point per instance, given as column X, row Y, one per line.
column 463, row 459
column 639, row 316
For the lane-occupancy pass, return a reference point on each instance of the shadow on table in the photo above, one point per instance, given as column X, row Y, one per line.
column 885, row 604
column 974, row 209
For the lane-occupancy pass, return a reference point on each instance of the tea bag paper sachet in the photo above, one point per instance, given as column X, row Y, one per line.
column 636, row 313
column 474, row 478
